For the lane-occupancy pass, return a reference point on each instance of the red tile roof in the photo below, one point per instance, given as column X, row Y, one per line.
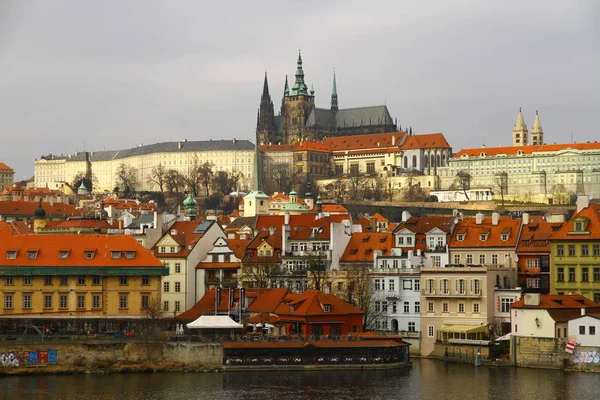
column 536, row 234
column 206, row 305
column 362, row 246
column 5, row 167
column 185, row 237
column 274, row 241
column 557, row 301
column 514, row 150
column 83, row 223
column 310, row 303
column 423, row 225
column 364, row 142
column 425, row 141
column 310, row 145
column 276, row 147
column 27, row 209
column 471, row 231
column 592, row 215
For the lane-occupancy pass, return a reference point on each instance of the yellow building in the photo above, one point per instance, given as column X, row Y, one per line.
column 66, row 276
column 7, row 176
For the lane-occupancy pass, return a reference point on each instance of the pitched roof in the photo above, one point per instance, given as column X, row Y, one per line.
column 83, row 223
column 592, row 232
column 337, row 208
column 311, row 145
column 422, row 225
column 238, row 246
column 185, row 234
column 471, row 232
column 4, row 167
column 425, row 141
column 274, row 241
column 362, row 246
column 311, row 302
column 268, row 300
column 514, row 150
column 363, row 116
column 48, row 247
column 365, row 142
column 206, row 305
column 557, row 301
column 276, row 147
column 535, row 236
column 27, row 209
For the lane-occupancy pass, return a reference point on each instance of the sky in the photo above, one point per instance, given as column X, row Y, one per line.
column 105, row 75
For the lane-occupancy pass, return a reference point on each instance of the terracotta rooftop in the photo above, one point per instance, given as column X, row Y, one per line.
column 425, row 141
column 589, row 215
column 362, row 246
column 471, row 232
column 4, row 167
column 365, row 142
column 27, row 209
column 535, row 236
column 514, row 150
column 557, row 301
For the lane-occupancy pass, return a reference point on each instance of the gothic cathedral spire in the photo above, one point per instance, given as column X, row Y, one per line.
column 334, row 95
column 537, row 133
column 520, row 132
column 265, row 124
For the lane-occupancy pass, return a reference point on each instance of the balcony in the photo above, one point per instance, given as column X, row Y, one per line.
column 215, row 280
column 467, row 294
column 437, row 249
column 392, row 294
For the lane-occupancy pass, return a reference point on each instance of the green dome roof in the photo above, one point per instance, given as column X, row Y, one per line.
column 189, row 201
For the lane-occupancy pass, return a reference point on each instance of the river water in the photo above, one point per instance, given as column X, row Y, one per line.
column 427, row 379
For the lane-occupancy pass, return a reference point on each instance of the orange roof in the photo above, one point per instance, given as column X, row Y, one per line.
column 334, row 208
column 279, row 196
column 5, row 167
column 311, row 145
column 263, row 318
column 471, row 233
column 422, row 225
column 276, row 147
column 48, row 246
column 425, row 141
column 591, row 214
column 185, row 237
column 380, row 218
column 27, row 208
column 536, row 234
column 310, row 303
column 206, row 305
column 513, row 150
column 268, row 300
column 365, row 142
column 362, row 246
column 554, row 301
column 218, row 265
column 264, row 236
column 83, row 223
column 238, row 246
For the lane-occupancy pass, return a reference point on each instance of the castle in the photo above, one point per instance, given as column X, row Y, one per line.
column 299, row 119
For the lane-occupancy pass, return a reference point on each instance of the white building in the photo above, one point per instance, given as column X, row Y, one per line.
column 586, row 329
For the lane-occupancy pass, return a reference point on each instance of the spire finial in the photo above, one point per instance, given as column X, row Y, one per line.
column 536, row 112
column 519, row 109
column 334, row 95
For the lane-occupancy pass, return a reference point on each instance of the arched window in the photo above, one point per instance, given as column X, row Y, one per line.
column 405, row 162
column 444, row 159
column 414, row 164
column 432, row 160
column 439, row 161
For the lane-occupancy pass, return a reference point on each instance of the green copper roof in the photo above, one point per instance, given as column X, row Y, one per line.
column 299, row 87
column 293, row 207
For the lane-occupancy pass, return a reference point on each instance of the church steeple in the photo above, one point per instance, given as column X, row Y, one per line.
column 520, row 132
column 286, row 88
column 334, row 95
column 265, row 124
column 537, row 133
column 299, row 87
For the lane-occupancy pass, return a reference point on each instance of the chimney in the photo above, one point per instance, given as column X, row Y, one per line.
column 532, row 299
column 179, row 146
column 234, row 140
column 495, row 218
column 286, row 218
column 373, row 224
column 271, row 230
column 583, row 201
column 479, row 218
column 393, row 140
column 582, row 311
column 405, row 216
column 525, row 218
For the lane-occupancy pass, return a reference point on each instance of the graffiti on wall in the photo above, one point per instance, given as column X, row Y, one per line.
column 581, row 356
column 17, row 359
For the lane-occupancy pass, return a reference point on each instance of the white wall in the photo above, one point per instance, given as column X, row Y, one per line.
column 586, row 339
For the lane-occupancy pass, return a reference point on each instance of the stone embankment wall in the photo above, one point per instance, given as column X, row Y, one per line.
column 585, row 359
column 97, row 355
column 539, row 352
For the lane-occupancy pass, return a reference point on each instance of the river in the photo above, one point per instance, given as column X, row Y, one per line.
column 427, row 379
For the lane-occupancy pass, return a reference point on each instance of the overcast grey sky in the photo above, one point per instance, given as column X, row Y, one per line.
column 112, row 74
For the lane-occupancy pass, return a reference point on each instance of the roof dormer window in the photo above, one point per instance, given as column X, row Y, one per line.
column 90, row 254
column 130, row 255
column 483, row 237
column 115, row 254
column 327, row 307
column 460, row 237
column 11, row 254
column 504, row 237
column 32, row 254
column 63, row 254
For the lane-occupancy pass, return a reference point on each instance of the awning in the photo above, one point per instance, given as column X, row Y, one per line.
column 505, row 337
column 464, row 328
column 214, row 322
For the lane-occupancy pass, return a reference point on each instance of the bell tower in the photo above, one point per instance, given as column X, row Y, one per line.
column 298, row 102
column 520, row 132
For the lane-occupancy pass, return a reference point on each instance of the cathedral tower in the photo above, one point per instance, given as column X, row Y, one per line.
column 265, row 120
column 520, row 133
column 334, row 97
column 298, row 102
column 537, row 133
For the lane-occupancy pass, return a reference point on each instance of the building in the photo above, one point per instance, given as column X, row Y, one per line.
column 299, row 118
column 222, row 266
column 7, row 176
column 535, row 172
column 548, row 316
column 533, row 252
column 575, row 255
column 584, row 329
column 72, row 276
column 224, row 155
column 180, row 250
column 21, row 210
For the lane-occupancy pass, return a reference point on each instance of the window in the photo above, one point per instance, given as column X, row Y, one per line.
column 115, row 255
column 81, row 280
column 96, row 280
column 165, row 305
column 394, row 307
column 560, row 273
column 482, row 259
column 585, row 250
column 89, row 255
column 8, row 280
column 407, row 284
column 430, row 331
column 48, row 301
column 430, row 307
column 166, row 287
column 592, row 330
column 400, row 240
column 64, row 280
column 444, row 307
column 81, row 301
column 406, row 307
column 476, row 286
column 177, row 268
column 476, row 308
column 483, row 237
column 581, row 329
column 437, row 261
column 417, row 307
column 384, row 306
column 445, row 286
column 412, row 327
column 585, row 274
column 395, row 263
column 505, row 303
column 177, row 287
column 417, row 285
column 172, row 249
column 504, row 237
column 124, row 280
column 130, row 255
column 327, row 308
column 560, row 250
column 377, row 306
column 177, row 305
column 377, row 284
column 96, row 301
column 461, row 286
column 32, row 254
column 469, row 259
column 123, row 301
column 62, row 301
column 461, row 307
column 370, row 168
column 409, row 240
column 48, row 280
column 145, row 280
column 596, row 250
column 572, row 250
column 571, row 274
column 457, row 259
column 11, row 255
column 63, row 254
column 162, row 249
column 460, row 237
column 145, row 301
column 494, row 259
column 430, row 286
column 596, row 274
column 8, row 301
column 27, row 280
column 391, row 285
column 26, row 301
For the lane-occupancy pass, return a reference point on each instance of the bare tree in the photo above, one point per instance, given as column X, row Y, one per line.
column 154, row 309
column 89, row 180
column 413, row 192
column 359, row 292
column 158, row 177
column 126, row 177
column 280, row 177
column 318, row 266
column 501, row 184
column 356, row 180
column 225, row 182
column 560, row 195
column 206, row 175
column 174, row 181
column 462, row 182
column 260, row 274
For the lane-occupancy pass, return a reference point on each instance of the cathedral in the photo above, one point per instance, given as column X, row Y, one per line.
column 300, row 120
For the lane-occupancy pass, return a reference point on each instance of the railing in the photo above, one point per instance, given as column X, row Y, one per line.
column 312, row 360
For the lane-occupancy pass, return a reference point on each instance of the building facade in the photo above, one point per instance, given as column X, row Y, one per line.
column 7, row 176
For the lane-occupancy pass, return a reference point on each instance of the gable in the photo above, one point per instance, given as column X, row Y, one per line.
column 436, row 231
column 220, row 242
column 167, row 241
